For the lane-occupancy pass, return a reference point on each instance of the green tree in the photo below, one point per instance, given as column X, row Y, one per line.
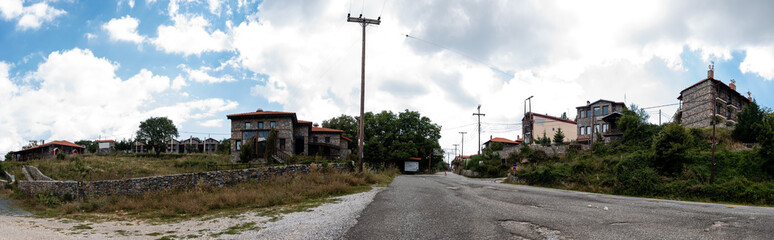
column 8, row 157
column 90, row 146
column 559, row 137
column 564, row 115
column 669, row 148
column 124, row 145
column 156, row 132
column 545, row 141
column 224, row 147
column 766, row 139
column 247, row 152
column 634, row 125
column 750, row 122
column 348, row 124
column 391, row 138
column 496, row 146
column 271, row 146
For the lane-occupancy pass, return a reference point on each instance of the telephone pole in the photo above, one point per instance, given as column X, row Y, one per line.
column 462, row 147
column 479, row 114
column 455, row 149
column 363, row 22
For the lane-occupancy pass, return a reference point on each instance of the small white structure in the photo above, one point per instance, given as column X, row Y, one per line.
column 411, row 165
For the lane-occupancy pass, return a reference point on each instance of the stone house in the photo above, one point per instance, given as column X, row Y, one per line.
column 601, row 116
column 535, row 124
column 47, row 150
column 294, row 137
column 105, row 146
column 708, row 97
column 509, row 146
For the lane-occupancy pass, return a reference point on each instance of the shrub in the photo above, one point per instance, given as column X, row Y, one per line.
column 60, row 155
column 634, row 176
column 669, row 147
column 546, row 174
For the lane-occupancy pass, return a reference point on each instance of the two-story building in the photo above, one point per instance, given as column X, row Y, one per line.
column 534, row 125
column 711, row 97
column 293, row 136
column 599, row 119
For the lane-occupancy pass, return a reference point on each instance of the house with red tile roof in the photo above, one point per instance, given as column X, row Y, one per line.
column 294, row 137
column 535, row 125
column 47, row 150
column 711, row 97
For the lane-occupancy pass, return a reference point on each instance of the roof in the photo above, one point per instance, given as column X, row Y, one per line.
column 346, row 138
column 414, row 159
column 59, row 142
column 717, row 81
column 504, row 140
column 260, row 114
column 103, row 141
column 601, row 100
column 319, row 129
column 304, row 122
column 554, row 118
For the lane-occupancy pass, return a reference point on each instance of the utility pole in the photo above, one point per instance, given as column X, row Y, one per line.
column 479, row 114
column 593, row 125
column 659, row 117
column 363, row 22
column 524, row 132
column 462, row 148
column 455, row 149
column 714, row 111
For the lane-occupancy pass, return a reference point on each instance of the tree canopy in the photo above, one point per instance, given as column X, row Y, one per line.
column 90, row 146
column 559, row 137
column 750, row 125
column 156, row 132
column 346, row 123
column 634, row 125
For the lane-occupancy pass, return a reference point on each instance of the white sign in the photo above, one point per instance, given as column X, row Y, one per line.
column 411, row 166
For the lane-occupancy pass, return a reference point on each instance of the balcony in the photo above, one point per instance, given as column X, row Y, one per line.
column 718, row 99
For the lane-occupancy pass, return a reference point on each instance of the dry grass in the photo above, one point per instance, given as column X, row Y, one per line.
column 204, row 200
column 111, row 167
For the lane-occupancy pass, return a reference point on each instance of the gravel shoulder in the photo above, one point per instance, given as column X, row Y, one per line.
column 327, row 221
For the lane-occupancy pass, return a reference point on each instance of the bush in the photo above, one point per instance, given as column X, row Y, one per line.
column 634, row 176
column 60, row 155
column 544, row 175
column 669, row 147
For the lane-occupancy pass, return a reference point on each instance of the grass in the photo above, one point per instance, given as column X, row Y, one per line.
column 118, row 166
column 302, row 190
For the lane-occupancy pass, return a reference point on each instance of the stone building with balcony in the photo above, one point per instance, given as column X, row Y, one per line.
column 293, row 136
column 708, row 97
column 599, row 119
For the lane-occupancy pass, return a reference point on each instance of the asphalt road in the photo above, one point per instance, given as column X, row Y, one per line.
column 455, row 207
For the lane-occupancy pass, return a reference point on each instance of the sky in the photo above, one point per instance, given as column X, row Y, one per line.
column 73, row 69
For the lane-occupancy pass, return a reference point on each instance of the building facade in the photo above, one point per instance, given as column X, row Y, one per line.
column 598, row 119
column 534, row 125
column 711, row 97
column 47, row 150
column 294, row 137
column 105, row 146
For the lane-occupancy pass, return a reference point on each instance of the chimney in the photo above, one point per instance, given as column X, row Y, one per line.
column 259, row 110
column 749, row 97
column 711, row 71
column 732, row 85
column 588, row 102
column 316, row 125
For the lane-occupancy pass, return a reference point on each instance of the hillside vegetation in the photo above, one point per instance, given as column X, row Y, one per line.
column 666, row 161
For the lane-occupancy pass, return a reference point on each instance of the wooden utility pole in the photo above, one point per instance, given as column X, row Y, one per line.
column 593, row 125
column 714, row 111
column 479, row 114
column 363, row 22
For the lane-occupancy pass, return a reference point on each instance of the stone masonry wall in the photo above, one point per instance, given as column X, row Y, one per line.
column 140, row 186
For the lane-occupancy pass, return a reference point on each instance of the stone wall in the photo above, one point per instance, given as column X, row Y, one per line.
column 35, row 174
column 140, row 186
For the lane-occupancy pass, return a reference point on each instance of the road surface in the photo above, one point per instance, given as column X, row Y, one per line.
column 455, row 207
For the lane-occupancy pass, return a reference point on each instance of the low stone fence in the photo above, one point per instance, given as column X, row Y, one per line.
column 35, row 174
column 140, row 186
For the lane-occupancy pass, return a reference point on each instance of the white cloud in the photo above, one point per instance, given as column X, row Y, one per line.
column 212, row 123
column 759, row 60
column 189, row 35
column 214, row 6
column 11, row 9
column 178, row 83
column 37, row 14
column 201, row 75
column 123, row 29
column 90, row 36
column 80, row 97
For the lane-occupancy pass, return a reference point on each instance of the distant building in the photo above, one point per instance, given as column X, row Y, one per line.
column 293, row 136
column 105, row 146
column 601, row 116
column 534, row 125
column 708, row 97
column 509, row 146
column 47, row 150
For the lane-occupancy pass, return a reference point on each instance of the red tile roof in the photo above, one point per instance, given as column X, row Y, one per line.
column 261, row 113
column 59, row 142
column 504, row 140
column 346, row 138
column 415, row 159
column 319, row 129
column 103, row 141
column 304, row 122
column 715, row 80
column 554, row 118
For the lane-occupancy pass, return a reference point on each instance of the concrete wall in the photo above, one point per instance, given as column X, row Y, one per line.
column 140, row 186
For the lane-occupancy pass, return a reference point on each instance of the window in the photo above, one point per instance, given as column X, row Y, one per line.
column 596, row 127
column 605, row 127
column 588, row 129
column 604, row 110
column 580, row 115
column 314, row 139
column 272, row 124
column 238, row 145
column 582, row 132
column 282, row 143
column 260, row 125
column 327, row 139
column 596, row 111
column 247, row 125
